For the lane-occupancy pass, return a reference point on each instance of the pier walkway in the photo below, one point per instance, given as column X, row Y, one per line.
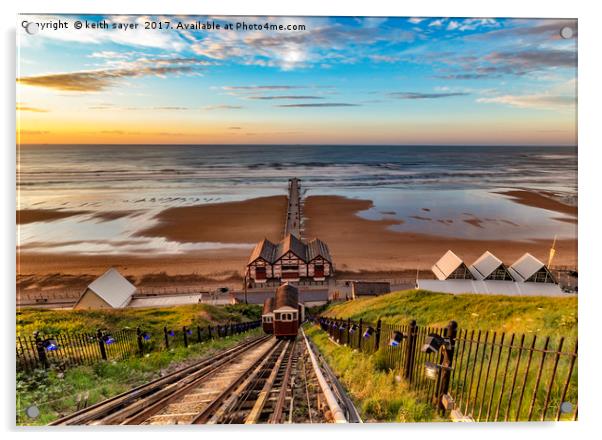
column 292, row 224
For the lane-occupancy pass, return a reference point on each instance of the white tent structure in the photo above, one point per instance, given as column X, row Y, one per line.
column 489, row 276
column 109, row 291
column 450, row 266
column 490, row 267
column 529, row 269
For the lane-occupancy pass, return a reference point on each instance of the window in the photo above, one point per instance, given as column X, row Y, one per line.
column 289, row 316
column 290, row 268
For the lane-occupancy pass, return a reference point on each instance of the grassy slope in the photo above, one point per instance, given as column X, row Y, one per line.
column 55, row 393
column 376, row 393
column 151, row 319
column 548, row 316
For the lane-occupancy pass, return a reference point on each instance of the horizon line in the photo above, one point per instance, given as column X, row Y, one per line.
column 284, row 144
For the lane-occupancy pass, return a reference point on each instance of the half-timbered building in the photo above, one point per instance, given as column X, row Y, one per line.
column 291, row 260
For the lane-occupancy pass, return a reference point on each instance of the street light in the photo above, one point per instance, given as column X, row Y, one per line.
column 396, row 339
column 50, row 345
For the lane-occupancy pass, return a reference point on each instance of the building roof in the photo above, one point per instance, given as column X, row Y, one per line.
column 268, row 306
column 446, row 265
column 287, row 295
column 290, row 243
column 485, row 265
column 490, row 287
column 317, row 248
column 265, row 249
column 523, row 268
column 113, row 288
column 271, row 252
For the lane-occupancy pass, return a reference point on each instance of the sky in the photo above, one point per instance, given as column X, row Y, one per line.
column 333, row 80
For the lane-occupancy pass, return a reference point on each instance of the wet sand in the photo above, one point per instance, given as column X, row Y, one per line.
column 247, row 221
column 25, row 216
column 540, row 199
column 357, row 245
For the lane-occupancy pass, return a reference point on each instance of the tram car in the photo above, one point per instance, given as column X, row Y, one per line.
column 286, row 312
column 267, row 316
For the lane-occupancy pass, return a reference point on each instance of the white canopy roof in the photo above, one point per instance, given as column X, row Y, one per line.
column 446, row 265
column 523, row 268
column 113, row 288
column 485, row 265
column 492, row 287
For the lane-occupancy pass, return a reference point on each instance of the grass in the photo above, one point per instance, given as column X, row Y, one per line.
column 532, row 316
column 48, row 321
column 378, row 394
column 545, row 315
column 56, row 392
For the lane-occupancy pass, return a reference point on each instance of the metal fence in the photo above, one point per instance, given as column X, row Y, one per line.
column 480, row 375
column 72, row 349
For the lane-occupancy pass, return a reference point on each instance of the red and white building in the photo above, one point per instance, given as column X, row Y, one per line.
column 291, row 260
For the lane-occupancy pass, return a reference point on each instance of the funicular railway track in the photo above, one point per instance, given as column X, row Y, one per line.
column 264, row 380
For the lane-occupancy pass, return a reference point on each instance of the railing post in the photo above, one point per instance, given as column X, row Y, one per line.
column 377, row 336
column 166, row 337
column 101, row 345
column 41, row 351
column 209, row 332
column 447, row 359
column 348, row 334
column 411, row 348
column 139, row 339
column 360, row 335
column 185, row 331
column 198, row 333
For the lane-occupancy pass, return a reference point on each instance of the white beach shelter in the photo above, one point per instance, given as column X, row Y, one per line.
column 488, row 266
column 527, row 268
column 109, row 291
column 451, row 266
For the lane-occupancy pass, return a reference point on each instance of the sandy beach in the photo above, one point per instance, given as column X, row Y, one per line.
column 359, row 246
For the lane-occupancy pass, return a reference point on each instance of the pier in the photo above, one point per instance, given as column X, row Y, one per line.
column 292, row 224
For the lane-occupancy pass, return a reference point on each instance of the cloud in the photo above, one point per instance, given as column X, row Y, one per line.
column 418, row 95
column 546, row 29
column 285, row 97
column 234, row 128
column 516, row 63
column 321, row 104
column 415, row 20
column 437, row 23
column 269, row 87
column 535, row 58
column 223, row 107
column 96, row 80
column 453, row 25
column 26, row 108
column 540, row 101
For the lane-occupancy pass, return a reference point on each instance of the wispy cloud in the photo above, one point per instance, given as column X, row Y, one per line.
column 95, row 80
column 285, row 97
column 320, row 104
column 539, row 101
column 223, row 107
column 419, row 95
column 268, row 87
column 27, row 108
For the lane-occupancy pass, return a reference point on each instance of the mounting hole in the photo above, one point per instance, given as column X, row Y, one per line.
column 32, row 28
column 566, row 407
column 33, row 412
column 566, row 32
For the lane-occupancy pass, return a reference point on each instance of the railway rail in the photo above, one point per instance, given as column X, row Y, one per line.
column 260, row 381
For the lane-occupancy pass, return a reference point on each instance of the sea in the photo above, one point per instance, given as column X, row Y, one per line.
column 417, row 185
